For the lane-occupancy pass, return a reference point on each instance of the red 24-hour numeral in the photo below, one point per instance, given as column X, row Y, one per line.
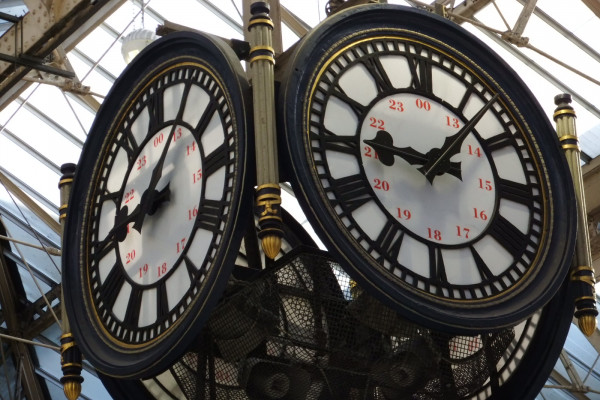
column 141, row 162
column 177, row 134
column 462, row 232
column 423, row 104
column 377, row 123
column 197, row 176
column 396, row 105
column 369, row 152
column 129, row 257
column 434, row 234
column 474, row 151
column 191, row 148
column 452, row 121
column 192, row 213
column 486, row 185
column 129, row 196
column 480, row 214
column 143, row 270
column 381, row 184
column 403, row 213
column 181, row 245
column 162, row 269
column 158, row 140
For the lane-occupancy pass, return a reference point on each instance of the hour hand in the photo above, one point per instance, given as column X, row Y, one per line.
column 150, row 202
column 383, row 143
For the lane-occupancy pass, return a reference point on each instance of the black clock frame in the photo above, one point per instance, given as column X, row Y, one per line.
column 557, row 229
column 134, row 356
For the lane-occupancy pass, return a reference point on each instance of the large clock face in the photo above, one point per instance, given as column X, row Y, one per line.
column 161, row 212
column 439, row 181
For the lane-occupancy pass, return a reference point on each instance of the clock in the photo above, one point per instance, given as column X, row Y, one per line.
column 427, row 168
column 158, row 205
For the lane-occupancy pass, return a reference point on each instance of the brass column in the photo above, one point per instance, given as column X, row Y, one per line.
column 70, row 355
column 582, row 271
column 268, row 192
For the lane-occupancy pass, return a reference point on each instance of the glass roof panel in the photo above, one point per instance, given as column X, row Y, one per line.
column 66, row 119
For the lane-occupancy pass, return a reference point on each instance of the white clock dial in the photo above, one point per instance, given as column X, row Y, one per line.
column 161, row 188
column 449, row 210
column 425, row 167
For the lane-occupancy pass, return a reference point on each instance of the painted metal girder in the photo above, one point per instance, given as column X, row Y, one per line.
column 48, row 25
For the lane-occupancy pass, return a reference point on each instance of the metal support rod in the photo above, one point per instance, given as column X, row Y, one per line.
column 70, row 355
column 31, row 205
column 582, row 272
column 268, row 192
column 31, row 342
column 526, row 12
column 571, row 371
column 50, row 250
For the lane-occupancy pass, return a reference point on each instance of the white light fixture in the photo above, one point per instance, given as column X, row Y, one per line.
column 135, row 41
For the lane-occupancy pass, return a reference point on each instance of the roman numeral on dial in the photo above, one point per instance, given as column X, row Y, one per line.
column 377, row 71
column 437, row 270
column 356, row 107
column 351, row 192
column 498, row 142
column 132, row 315
column 516, row 192
column 509, row 236
column 162, row 301
column 333, row 142
column 155, row 111
column 210, row 215
column 484, row 271
column 108, row 291
column 389, row 242
column 420, row 69
column 215, row 160
column 206, row 117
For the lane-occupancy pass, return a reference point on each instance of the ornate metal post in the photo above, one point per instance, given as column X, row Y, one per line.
column 268, row 192
column 70, row 356
column 582, row 272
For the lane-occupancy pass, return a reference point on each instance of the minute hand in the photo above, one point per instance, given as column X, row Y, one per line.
column 447, row 151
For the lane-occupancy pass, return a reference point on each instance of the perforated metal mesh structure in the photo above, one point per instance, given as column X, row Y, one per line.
column 305, row 330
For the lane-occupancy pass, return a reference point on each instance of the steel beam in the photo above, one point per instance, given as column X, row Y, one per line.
column 44, row 28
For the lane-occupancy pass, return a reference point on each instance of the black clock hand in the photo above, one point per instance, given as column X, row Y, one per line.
column 124, row 218
column 149, row 203
column 383, row 143
column 148, row 197
column 384, row 146
column 452, row 144
column 119, row 229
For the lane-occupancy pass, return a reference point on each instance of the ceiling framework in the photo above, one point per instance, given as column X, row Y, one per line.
column 34, row 49
column 36, row 42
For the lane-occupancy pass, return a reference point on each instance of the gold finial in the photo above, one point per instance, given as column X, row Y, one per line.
column 587, row 324
column 271, row 245
column 72, row 390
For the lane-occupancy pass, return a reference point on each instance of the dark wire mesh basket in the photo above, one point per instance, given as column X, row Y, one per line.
column 304, row 330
